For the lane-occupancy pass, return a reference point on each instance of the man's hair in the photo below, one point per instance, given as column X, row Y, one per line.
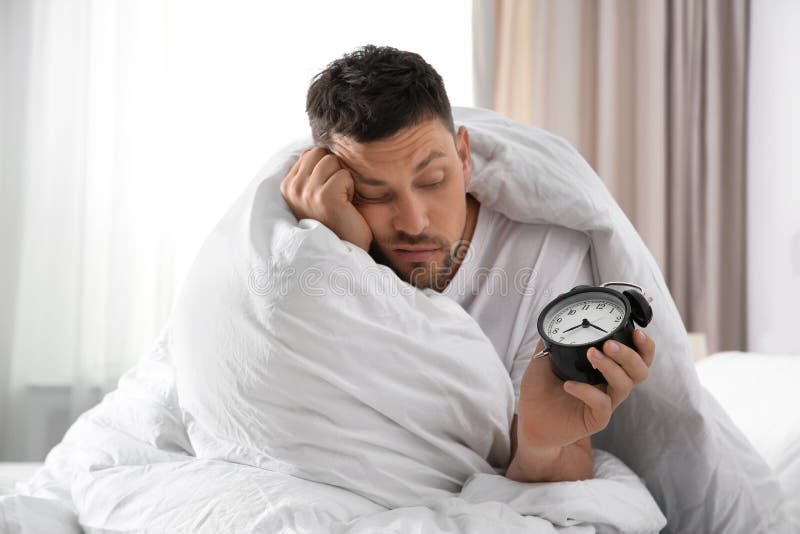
column 374, row 92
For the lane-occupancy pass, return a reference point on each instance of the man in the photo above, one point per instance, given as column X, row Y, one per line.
column 389, row 175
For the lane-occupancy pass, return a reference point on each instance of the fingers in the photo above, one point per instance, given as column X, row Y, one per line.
column 646, row 347
column 297, row 163
column 318, row 187
column 287, row 184
column 600, row 404
column 620, row 383
column 309, row 173
column 310, row 159
column 622, row 366
column 631, row 362
column 340, row 180
column 323, row 170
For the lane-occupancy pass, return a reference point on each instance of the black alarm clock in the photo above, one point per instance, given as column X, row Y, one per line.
column 588, row 316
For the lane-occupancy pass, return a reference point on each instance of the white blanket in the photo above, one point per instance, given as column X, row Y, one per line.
column 125, row 471
column 300, row 387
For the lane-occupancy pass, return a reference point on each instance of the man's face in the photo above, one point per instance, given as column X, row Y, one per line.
column 411, row 189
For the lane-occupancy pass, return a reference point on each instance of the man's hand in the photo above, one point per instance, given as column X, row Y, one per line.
column 318, row 187
column 554, row 414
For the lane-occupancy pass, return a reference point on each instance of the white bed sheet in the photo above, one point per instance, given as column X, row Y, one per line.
column 760, row 393
column 13, row 472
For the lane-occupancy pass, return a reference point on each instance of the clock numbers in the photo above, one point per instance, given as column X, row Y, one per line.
column 584, row 321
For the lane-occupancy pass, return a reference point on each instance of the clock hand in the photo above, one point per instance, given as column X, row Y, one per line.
column 585, row 323
column 573, row 328
column 595, row 326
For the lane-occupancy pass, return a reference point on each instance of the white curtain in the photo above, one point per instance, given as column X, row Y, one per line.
column 89, row 251
column 127, row 129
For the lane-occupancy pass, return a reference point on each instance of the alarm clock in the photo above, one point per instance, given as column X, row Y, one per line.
column 588, row 316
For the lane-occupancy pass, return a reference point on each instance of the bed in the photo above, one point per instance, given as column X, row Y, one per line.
column 760, row 393
column 13, row 472
column 767, row 414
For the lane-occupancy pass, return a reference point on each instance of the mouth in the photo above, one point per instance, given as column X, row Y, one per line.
column 409, row 253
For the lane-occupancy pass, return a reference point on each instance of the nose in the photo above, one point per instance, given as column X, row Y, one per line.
column 410, row 217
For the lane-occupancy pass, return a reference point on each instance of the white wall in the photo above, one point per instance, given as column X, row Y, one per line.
column 242, row 69
column 773, row 196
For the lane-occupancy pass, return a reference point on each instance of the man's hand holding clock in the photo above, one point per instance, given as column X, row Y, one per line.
column 557, row 415
column 554, row 413
column 557, row 418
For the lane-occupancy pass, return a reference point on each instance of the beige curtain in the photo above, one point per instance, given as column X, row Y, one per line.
column 652, row 93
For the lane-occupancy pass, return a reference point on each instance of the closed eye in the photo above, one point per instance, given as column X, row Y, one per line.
column 434, row 185
column 361, row 198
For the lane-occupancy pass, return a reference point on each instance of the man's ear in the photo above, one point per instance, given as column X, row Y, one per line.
column 462, row 147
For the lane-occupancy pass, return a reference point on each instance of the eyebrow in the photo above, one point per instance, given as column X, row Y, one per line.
column 418, row 169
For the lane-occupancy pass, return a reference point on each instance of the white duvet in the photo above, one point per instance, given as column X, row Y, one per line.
column 300, row 387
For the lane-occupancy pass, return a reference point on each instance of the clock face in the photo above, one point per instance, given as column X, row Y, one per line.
column 584, row 318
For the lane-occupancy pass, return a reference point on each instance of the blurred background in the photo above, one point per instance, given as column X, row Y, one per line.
column 128, row 127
